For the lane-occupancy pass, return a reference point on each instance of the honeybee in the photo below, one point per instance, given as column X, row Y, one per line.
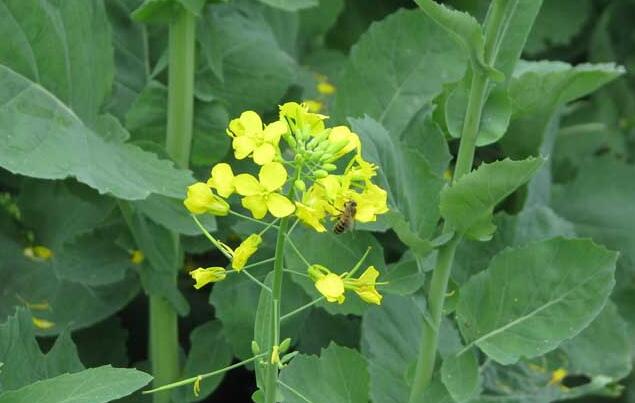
column 347, row 218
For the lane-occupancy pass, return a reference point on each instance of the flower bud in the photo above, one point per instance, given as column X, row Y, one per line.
column 255, row 348
column 300, row 185
column 284, row 346
column 329, row 167
column 320, row 173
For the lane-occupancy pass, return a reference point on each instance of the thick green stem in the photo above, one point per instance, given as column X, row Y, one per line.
column 164, row 343
column 271, row 373
column 465, row 158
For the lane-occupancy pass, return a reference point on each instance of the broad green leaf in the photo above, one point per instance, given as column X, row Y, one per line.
column 163, row 257
column 495, row 115
column 463, row 27
column 338, row 375
column 538, row 90
column 412, row 57
column 65, row 46
column 468, row 204
column 171, row 214
column 147, row 121
column 242, row 63
column 95, row 385
column 413, row 187
column 131, row 54
column 208, row 352
column 339, row 253
column 321, row 328
column 165, row 10
column 316, row 21
column 391, row 336
column 460, row 375
column 557, row 23
column 23, row 362
column 291, row 5
column 532, row 298
column 30, row 116
column 405, row 276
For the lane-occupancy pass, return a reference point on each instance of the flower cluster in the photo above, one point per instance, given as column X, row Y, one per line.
column 304, row 169
column 333, row 286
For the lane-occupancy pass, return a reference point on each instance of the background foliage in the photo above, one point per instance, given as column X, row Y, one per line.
column 82, row 127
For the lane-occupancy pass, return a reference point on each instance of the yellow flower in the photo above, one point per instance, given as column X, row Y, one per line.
column 330, row 285
column 275, row 355
column 200, row 199
column 311, row 216
column 557, row 376
column 364, row 286
column 137, row 257
column 370, row 203
column 209, row 275
column 38, row 252
column 197, row 386
column 325, row 88
column 244, row 251
column 42, row 323
column 222, row 179
column 260, row 194
column 305, row 122
column 251, row 138
column 342, row 141
column 313, row 106
column 361, row 170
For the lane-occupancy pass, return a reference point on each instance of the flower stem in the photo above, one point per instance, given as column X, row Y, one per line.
column 164, row 343
column 271, row 373
column 494, row 27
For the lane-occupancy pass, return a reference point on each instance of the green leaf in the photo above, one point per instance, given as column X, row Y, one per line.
column 321, row 328
column 110, row 167
column 103, row 343
column 65, row 47
column 291, row 5
column 557, row 24
column 468, row 204
column 412, row 58
column 96, row 385
column 242, row 63
column 339, row 253
column 538, row 90
column 391, row 337
column 413, row 188
column 165, row 10
column 405, row 276
column 495, row 115
column 464, row 28
column 209, row 351
column 23, row 362
column 171, row 214
column 460, row 375
column 338, row 375
column 532, row 298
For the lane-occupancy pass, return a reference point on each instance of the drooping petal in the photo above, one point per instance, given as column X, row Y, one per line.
column 279, row 205
column 310, row 216
column 247, row 185
column 243, row 146
column 264, row 154
column 256, row 204
column 222, row 179
column 209, row 275
column 272, row 176
column 332, row 287
column 244, row 251
column 199, row 198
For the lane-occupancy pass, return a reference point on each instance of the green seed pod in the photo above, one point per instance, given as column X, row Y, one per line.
column 300, row 185
column 255, row 348
column 320, row 173
column 284, row 346
column 329, row 167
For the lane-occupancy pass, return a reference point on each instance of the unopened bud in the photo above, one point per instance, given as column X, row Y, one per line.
column 329, row 167
column 284, row 346
column 320, row 173
column 300, row 185
column 255, row 348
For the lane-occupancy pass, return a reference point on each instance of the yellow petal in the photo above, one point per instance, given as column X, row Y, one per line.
column 247, row 185
column 365, row 286
column 137, row 256
column 243, row 146
column 332, row 287
column 251, row 122
column 222, row 179
column 272, row 176
column 256, row 204
column 209, row 275
column 325, row 88
column 274, row 131
column 264, row 154
column 244, row 251
column 314, row 106
column 331, row 185
column 199, row 197
column 279, row 206
column 310, row 216
column 42, row 323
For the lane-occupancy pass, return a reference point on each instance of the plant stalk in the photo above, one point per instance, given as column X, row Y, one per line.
column 271, row 373
column 164, row 343
column 465, row 158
